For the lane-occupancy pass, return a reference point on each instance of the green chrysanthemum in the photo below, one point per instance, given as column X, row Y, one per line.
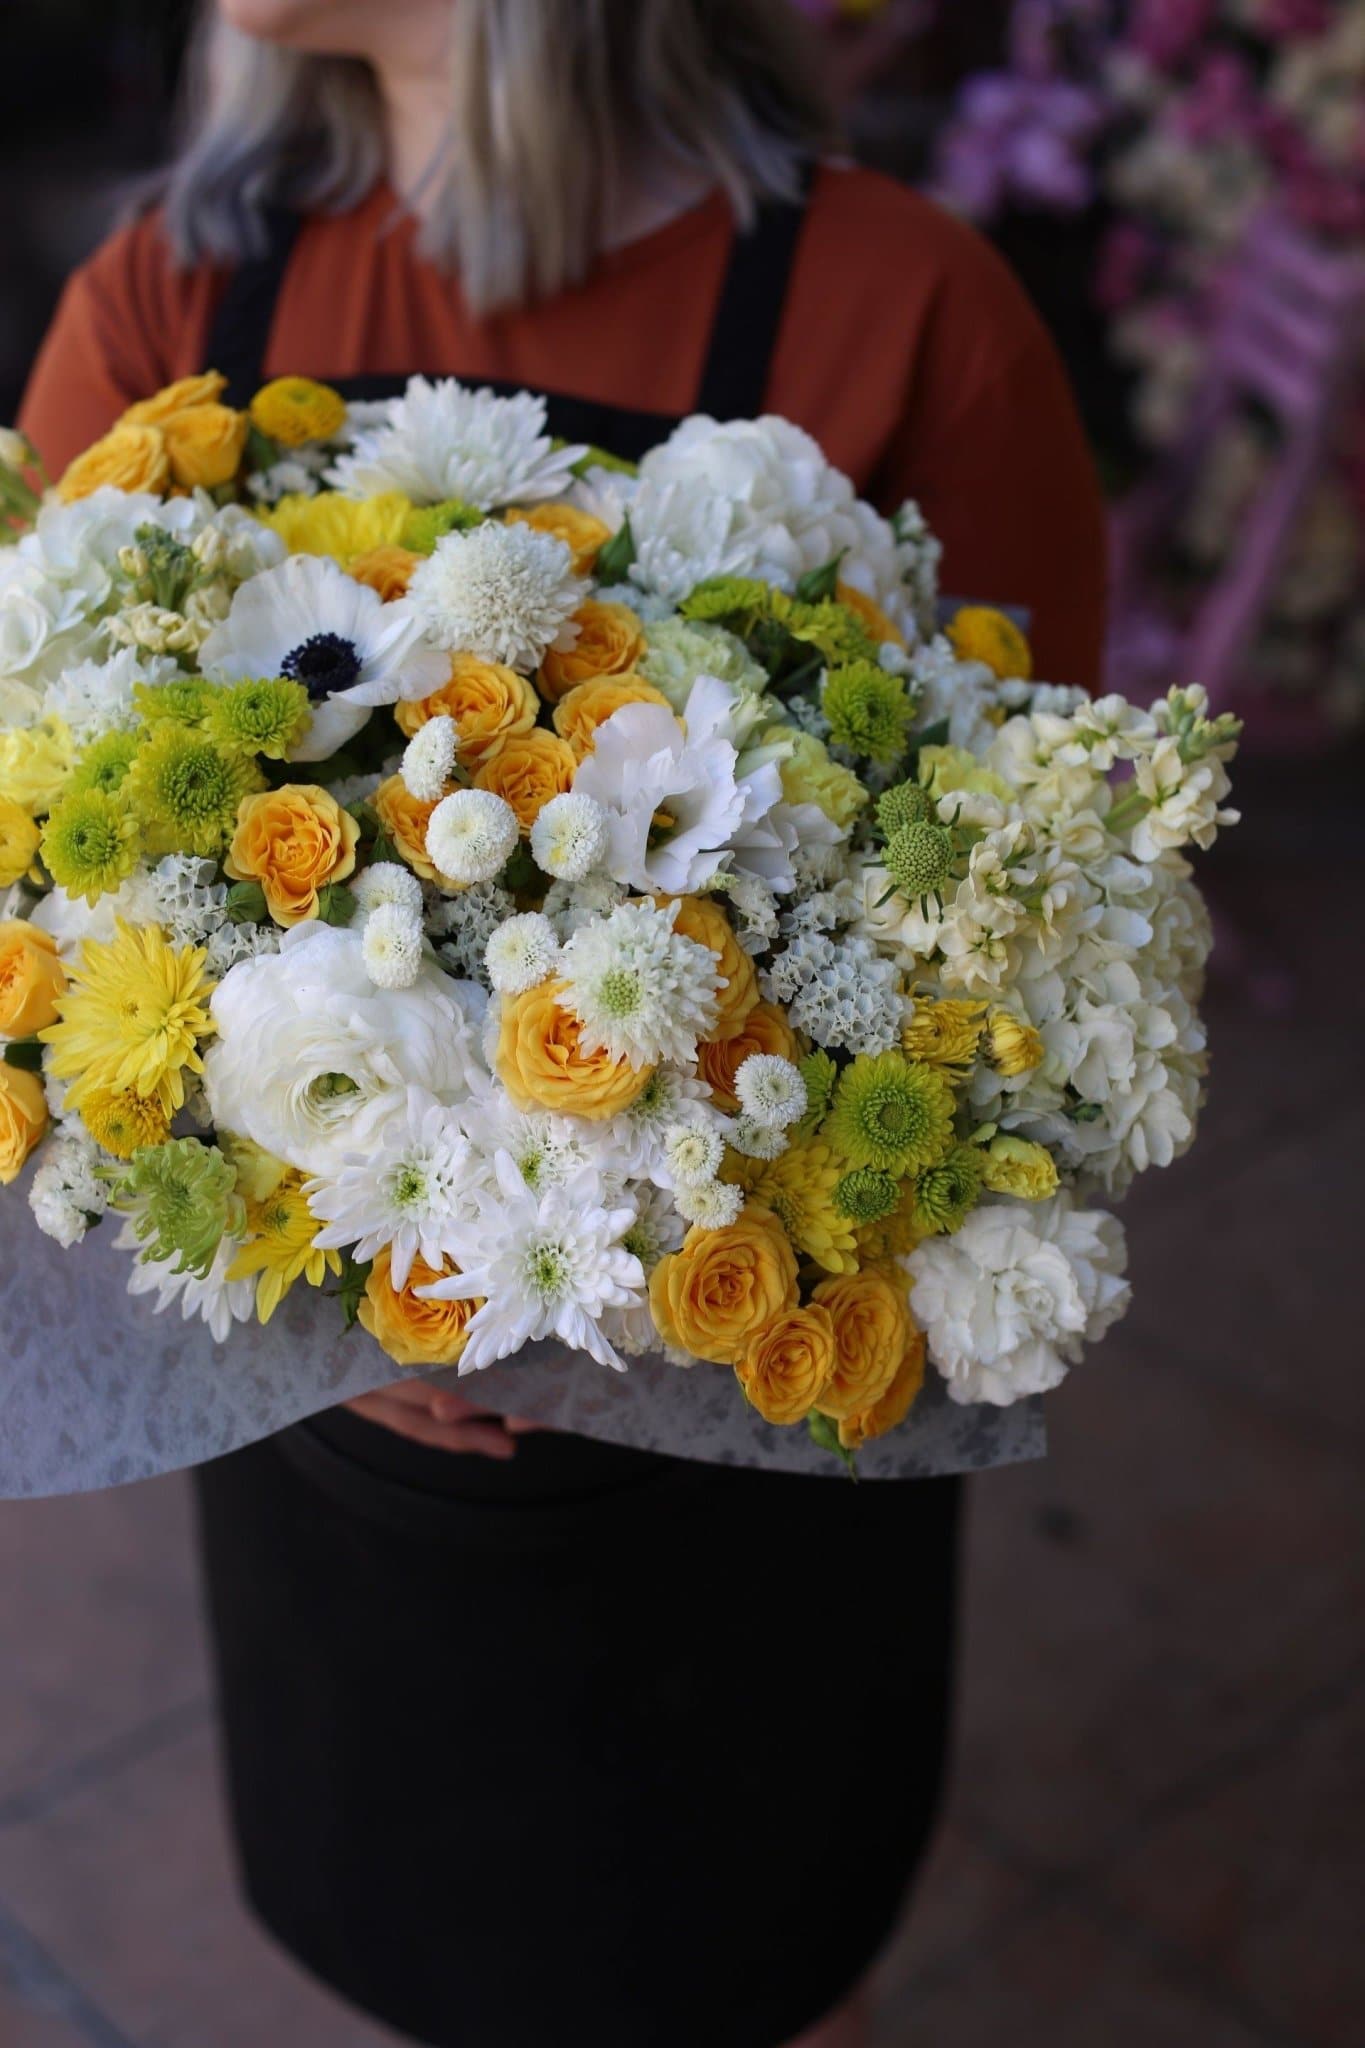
column 919, row 859
column 266, row 715
column 831, row 628
column 904, row 804
column 891, row 1113
column 819, row 1073
column 182, row 1198
column 722, row 597
column 185, row 790
column 867, row 1194
column 90, row 843
column 185, row 700
column 869, row 711
column 946, row 1192
column 430, row 523
column 105, row 764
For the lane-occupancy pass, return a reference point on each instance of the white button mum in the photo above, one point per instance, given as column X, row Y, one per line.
column 694, row 1151
column 569, row 837
column 505, row 593
column 387, row 881
column 710, row 1204
column 471, row 834
column 391, row 938
column 521, row 954
column 428, row 759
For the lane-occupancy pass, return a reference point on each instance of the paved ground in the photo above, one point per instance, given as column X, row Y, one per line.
column 1154, row 1839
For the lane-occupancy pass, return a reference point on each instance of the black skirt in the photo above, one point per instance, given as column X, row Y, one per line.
column 592, row 1747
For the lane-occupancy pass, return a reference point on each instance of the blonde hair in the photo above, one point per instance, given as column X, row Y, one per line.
column 554, row 105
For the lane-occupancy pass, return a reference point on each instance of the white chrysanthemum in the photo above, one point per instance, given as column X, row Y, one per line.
column 547, row 1149
column 569, row 837
column 545, row 1265
column 710, row 1204
column 755, row 1140
column 640, row 990
column 505, row 593
column 444, row 440
column 471, row 835
column 770, row 1090
column 391, row 939
column 402, row 1191
column 1010, row 1300
column 694, row 1152
column 212, row 1297
column 637, row 1135
column 387, row 881
column 521, row 954
column 429, row 758
column 66, row 1194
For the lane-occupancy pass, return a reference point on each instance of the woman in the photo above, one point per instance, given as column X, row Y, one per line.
column 532, row 1740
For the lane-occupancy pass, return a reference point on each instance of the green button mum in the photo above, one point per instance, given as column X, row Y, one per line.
column 90, row 843
column 869, row 711
column 185, row 789
column 891, row 1113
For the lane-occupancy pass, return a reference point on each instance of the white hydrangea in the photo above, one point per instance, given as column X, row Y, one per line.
column 840, row 992
column 387, row 881
column 640, row 990
column 444, row 440
column 771, row 1091
column 429, row 758
column 569, row 837
column 471, row 835
column 709, row 1204
column 391, row 938
column 504, row 593
column 962, row 693
column 521, row 954
column 694, row 1151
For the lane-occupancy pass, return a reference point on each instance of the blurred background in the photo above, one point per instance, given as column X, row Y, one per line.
column 1155, row 1830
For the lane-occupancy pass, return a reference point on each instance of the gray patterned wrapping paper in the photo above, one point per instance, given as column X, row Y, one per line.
column 97, row 1390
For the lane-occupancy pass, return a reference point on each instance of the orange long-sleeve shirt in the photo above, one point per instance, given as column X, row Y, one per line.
column 906, row 348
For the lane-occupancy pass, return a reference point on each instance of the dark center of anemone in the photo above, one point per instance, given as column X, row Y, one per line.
column 324, row 664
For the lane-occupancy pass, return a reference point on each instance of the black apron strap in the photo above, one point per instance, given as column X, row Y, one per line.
column 753, row 298
column 240, row 331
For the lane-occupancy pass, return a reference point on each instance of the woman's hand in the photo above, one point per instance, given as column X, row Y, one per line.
column 444, row 1421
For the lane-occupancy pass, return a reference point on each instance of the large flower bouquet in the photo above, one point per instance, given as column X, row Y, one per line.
column 546, row 898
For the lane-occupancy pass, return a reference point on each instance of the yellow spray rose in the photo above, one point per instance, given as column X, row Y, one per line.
column 581, row 710
column 414, row 1332
column 542, row 1063
column 487, row 702
column 711, row 1296
column 205, row 389
column 526, row 771
column 293, row 841
column 765, row 1029
column 204, row 445
column 19, row 838
column 31, row 977
column 895, row 1404
column 385, row 569
column 705, row 921
column 869, row 612
column 405, row 818
column 581, row 532
column 610, row 641
column 131, row 458
column 23, row 1119
column 786, row 1365
column 872, row 1328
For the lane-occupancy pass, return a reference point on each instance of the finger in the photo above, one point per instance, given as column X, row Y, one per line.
column 522, row 1425
column 483, row 1439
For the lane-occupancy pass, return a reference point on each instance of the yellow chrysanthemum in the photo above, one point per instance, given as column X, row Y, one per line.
column 979, row 633
column 292, row 410
column 123, row 1121
column 1013, row 1045
column 945, row 1034
column 278, row 1248
column 799, row 1189
column 330, row 524
column 132, row 1017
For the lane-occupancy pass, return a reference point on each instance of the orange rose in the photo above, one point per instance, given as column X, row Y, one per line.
column 870, row 612
column 31, row 976
column 204, row 445
column 578, row 714
column 414, row 1332
column 702, row 919
column 292, row 840
column 895, row 1404
column 385, row 569
column 764, row 1029
column 873, row 1326
column 405, row 818
column 205, row 389
column 610, row 641
column 487, row 702
column 23, row 1119
column 541, row 1062
column 131, row 458
column 581, row 532
column 786, row 1365
column 710, row 1297
column 527, row 771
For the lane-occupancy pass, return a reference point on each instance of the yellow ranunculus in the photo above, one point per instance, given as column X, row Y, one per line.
column 979, row 633
column 204, row 445
column 487, row 702
column 872, row 1328
column 347, row 529
column 611, row 639
column 711, row 1297
column 703, row 920
column 19, row 838
column 405, row 818
column 785, row 1366
column 870, row 612
column 31, row 977
column 414, row 1332
column 23, row 1119
column 542, row 1064
column 385, row 569
column 131, row 458
column 526, row 771
column 764, row 1029
column 292, row 410
column 1016, row 1166
column 36, row 763
column 205, row 389
column 293, row 841
column 581, row 710
column 581, row 532
column 811, row 776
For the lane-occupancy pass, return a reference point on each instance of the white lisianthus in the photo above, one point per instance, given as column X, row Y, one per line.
column 770, row 1090
column 403, row 1190
column 504, row 593
column 443, row 440
column 569, row 837
column 391, row 940
column 640, row 990
column 522, row 953
column 1010, row 1300
column 428, row 759
column 471, row 835
column 387, row 881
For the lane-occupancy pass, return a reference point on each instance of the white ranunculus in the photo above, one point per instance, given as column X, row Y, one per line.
column 1010, row 1300
column 310, row 1056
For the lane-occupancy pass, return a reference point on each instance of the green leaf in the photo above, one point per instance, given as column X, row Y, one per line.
column 24, row 1053
column 818, row 584
column 354, row 1274
column 520, row 875
column 825, row 1435
column 261, row 451
column 614, row 559
column 336, row 904
column 246, row 903
column 602, row 458
column 935, row 735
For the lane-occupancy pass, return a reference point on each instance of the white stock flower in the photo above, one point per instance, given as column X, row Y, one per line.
column 1010, row 1300
column 1184, row 798
column 569, row 837
column 428, row 759
column 444, row 440
column 640, row 990
column 471, row 835
column 391, row 942
column 522, row 953
column 66, row 1194
column 770, row 1089
column 504, row 593
column 387, row 881
column 710, row 1204
column 403, row 1190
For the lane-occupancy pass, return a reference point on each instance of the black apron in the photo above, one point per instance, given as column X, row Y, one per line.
column 593, row 1747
